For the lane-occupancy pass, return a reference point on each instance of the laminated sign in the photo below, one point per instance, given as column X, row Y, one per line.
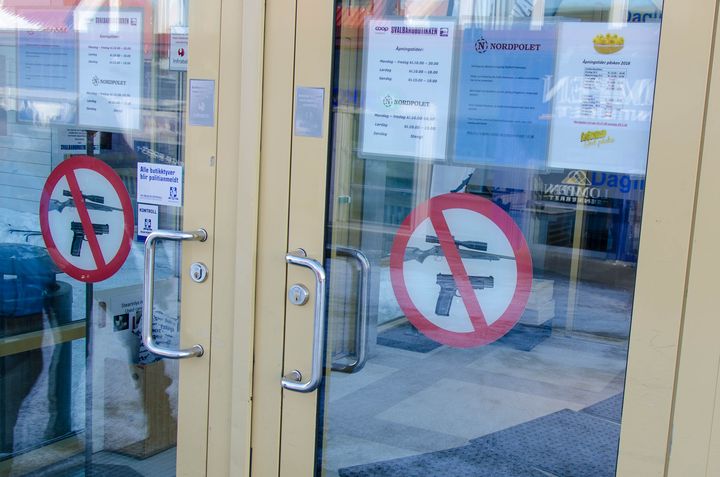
column 159, row 184
column 461, row 270
column 86, row 219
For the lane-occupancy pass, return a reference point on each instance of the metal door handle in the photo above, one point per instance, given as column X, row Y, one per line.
column 149, row 292
column 361, row 328
column 292, row 380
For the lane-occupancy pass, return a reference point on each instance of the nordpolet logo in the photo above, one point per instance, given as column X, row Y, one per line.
column 481, row 45
column 96, row 81
column 388, row 101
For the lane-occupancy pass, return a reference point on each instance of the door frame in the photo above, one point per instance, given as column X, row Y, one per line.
column 195, row 301
column 299, row 52
column 214, row 390
column 696, row 414
column 219, row 423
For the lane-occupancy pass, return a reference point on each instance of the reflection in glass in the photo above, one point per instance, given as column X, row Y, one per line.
column 488, row 158
column 79, row 394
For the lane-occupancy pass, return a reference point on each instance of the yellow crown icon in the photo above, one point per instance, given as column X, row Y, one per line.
column 608, row 43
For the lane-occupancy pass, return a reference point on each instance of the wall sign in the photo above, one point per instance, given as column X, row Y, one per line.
column 503, row 117
column 178, row 49
column 602, row 97
column 71, row 141
column 147, row 220
column 110, row 61
column 201, row 111
column 159, row 184
column 309, row 103
column 407, row 85
column 47, row 70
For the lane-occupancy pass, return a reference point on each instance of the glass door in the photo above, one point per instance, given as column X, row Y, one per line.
column 470, row 306
column 104, row 236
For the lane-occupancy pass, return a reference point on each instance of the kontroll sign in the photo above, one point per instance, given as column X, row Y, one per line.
column 467, row 249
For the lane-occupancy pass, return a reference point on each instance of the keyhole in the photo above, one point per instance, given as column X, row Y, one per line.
column 198, row 272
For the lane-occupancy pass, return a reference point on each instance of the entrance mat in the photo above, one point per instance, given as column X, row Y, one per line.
column 407, row 337
column 565, row 443
column 92, row 470
column 610, row 408
column 526, row 337
column 466, row 461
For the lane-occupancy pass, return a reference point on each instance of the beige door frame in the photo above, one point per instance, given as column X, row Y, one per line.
column 298, row 49
column 695, row 446
column 221, row 195
column 228, row 47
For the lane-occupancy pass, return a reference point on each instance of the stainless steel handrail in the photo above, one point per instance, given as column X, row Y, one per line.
column 361, row 323
column 149, row 292
column 292, row 380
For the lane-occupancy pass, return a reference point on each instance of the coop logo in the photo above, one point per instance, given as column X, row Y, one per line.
column 482, row 46
column 96, row 81
column 382, row 28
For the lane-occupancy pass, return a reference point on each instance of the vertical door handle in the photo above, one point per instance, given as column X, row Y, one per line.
column 361, row 328
column 293, row 380
column 149, row 292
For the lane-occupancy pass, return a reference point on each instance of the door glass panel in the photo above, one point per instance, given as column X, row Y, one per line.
column 488, row 160
column 92, row 97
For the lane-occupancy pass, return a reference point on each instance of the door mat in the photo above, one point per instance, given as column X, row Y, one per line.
column 92, row 470
column 610, row 408
column 565, row 443
column 407, row 337
column 466, row 461
column 526, row 337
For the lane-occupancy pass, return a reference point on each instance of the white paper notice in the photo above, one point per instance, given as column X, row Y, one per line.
column 147, row 218
column 159, row 184
column 408, row 68
column 110, row 61
column 202, row 102
column 179, row 49
column 602, row 97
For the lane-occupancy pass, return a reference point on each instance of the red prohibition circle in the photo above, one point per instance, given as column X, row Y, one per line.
column 483, row 333
column 67, row 169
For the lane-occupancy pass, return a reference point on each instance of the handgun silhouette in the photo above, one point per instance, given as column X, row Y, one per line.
column 79, row 235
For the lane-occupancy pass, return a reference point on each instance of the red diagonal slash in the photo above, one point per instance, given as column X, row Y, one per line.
column 457, row 268
column 85, row 220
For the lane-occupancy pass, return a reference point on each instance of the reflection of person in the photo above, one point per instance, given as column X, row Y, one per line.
column 30, row 300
